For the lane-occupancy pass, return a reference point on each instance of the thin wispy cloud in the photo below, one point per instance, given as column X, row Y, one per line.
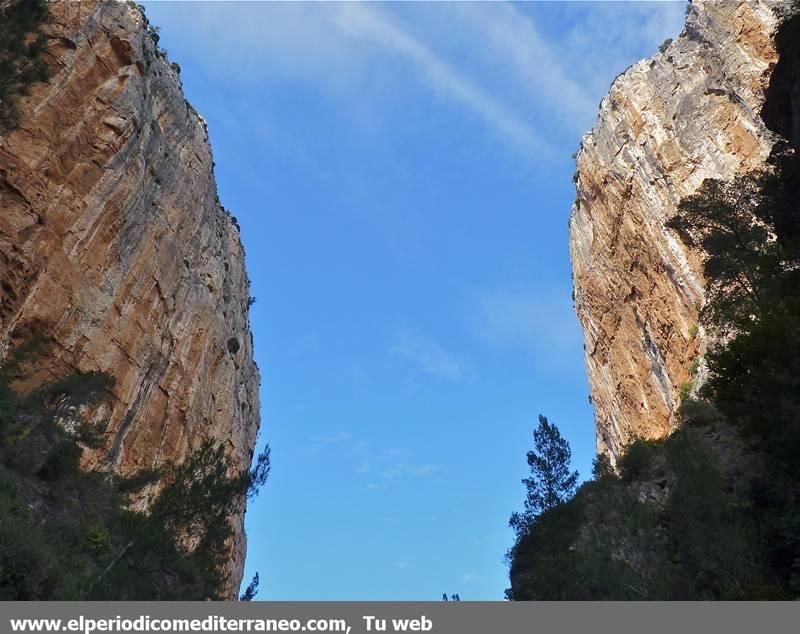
column 382, row 159
column 332, row 439
column 513, row 39
column 386, row 468
column 321, row 443
column 604, row 37
column 345, row 50
column 402, row 469
column 398, row 473
column 381, row 468
column 426, row 356
column 336, row 46
column 360, row 20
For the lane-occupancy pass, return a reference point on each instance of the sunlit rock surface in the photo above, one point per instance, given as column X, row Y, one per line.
column 113, row 241
column 686, row 114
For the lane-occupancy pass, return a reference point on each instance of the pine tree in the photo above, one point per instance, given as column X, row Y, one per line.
column 552, row 481
column 251, row 591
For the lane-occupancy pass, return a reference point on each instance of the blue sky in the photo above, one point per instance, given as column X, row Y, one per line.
column 402, row 176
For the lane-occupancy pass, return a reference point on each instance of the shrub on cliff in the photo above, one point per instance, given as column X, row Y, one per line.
column 637, row 461
column 21, row 46
column 710, row 512
column 68, row 534
column 750, row 232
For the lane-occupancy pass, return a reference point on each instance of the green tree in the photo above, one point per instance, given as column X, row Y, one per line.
column 552, row 480
column 70, row 534
column 711, row 512
column 251, row 591
column 749, row 231
column 21, row 46
column 722, row 220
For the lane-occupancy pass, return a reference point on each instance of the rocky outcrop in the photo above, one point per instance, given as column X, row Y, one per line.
column 114, row 243
column 691, row 112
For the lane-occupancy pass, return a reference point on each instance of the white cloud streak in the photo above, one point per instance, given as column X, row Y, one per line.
column 514, row 39
column 357, row 19
column 334, row 45
column 494, row 59
column 384, row 469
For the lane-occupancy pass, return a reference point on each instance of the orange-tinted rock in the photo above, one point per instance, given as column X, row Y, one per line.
column 669, row 122
column 113, row 240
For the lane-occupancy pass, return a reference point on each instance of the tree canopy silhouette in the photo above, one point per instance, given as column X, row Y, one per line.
column 552, row 480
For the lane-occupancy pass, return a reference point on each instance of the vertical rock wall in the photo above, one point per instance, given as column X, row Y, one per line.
column 113, row 242
column 691, row 112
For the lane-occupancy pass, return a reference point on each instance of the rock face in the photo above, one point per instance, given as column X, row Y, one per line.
column 691, row 112
column 113, row 242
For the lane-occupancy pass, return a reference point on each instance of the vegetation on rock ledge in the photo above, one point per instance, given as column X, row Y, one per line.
column 21, row 46
column 713, row 511
column 68, row 534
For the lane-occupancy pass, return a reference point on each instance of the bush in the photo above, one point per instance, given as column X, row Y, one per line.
column 21, row 46
column 601, row 467
column 694, row 411
column 66, row 534
column 137, row 481
column 711, row 513
column 90, row 434
column 637, row 461
column 79, row 388
column 62, row 462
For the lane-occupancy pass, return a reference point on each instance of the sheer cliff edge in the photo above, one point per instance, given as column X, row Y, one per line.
column 696, row 110
column 113, row 242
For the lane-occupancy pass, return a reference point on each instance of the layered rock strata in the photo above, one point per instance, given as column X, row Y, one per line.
column 693, row 111
column 114, row 243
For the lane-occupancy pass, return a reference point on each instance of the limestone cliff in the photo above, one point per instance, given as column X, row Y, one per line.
column 691, row 112
column 113, row 242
